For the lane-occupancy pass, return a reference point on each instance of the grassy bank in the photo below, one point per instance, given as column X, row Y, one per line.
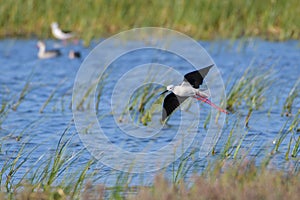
column 206, row 19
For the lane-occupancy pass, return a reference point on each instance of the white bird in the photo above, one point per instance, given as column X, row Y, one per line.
column 188, row 88
column 44, row 54
column 59, row 34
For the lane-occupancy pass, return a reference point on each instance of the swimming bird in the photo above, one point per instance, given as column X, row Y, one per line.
column 43, row 54
column 59, row 34
column 188, row 88
column 74, row 54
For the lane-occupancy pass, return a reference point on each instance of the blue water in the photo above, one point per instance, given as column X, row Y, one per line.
column 42, row 130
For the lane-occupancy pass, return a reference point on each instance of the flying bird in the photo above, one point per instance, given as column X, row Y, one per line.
column 45, row 54
column 188, row 88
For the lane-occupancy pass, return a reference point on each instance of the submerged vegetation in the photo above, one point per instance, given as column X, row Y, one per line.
column 271, row 19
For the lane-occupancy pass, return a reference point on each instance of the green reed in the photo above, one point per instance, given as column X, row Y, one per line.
column 294, row 127
column 296, row 149
column 144, row 102
column 207, row 19
column 293, row 94
column 51, row 95
column 249, row 91
column 49, row 178
column 289, row 129
column 147, row 116
column 85, row 100
column 249, row 87
column 228, row 146
column 24, row 92
column 256, row 93
column 3, row 111
column 231, row 142
column 184, row 166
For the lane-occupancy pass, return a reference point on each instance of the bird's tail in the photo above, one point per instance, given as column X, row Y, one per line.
column 203, row 93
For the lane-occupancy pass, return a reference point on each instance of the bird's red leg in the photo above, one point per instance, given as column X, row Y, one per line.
column 205, row 100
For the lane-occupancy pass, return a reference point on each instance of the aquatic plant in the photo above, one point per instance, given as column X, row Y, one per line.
column 44, row 177
column 24, row 92
column 288, row 104
column 153, row 104
column 144, row 102
column 4, row 111
column 86, row 98
column 249, row 91
column 294, row 127
column 289, row 128
column 51, row 95
column 184, row 165
column 256, row 93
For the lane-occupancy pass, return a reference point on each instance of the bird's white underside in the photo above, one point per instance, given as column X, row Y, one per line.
column 186, row 90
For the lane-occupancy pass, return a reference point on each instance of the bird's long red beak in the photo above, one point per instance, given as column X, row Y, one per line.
column 205, row 100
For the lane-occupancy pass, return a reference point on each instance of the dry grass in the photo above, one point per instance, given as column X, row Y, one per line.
column 226, row 180
column 243, row 182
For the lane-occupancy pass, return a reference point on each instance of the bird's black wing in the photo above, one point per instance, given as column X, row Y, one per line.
column 171, row 102
column 66, row 31
column 57, row 51
column 195, row 78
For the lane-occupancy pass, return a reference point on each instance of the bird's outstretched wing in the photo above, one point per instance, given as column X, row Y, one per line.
column 195, row 78
column 171, row 102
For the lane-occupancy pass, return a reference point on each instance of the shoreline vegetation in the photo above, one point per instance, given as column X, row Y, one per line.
column 205, row 20
column 236, row 181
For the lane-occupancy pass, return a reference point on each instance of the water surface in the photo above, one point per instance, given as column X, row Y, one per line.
column 42, row 130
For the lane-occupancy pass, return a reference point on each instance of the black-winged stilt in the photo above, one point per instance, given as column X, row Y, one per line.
column 43, row 54
column 188, row 88
column 74, row 54
column 59, row 34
